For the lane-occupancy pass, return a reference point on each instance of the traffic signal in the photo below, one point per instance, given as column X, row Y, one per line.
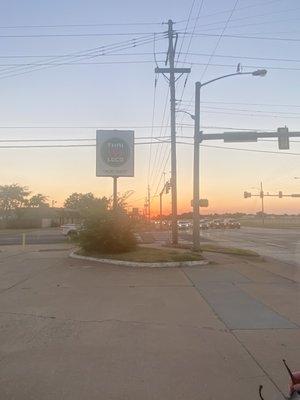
column 283, row 138
column 247, row 194
column 280, row 194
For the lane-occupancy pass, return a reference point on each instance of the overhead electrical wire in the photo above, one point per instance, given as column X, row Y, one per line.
column 219, row 39
column 146, row 143
column 85, row 54
column 152, row 126
column 215, row 47
column 255, row 24
column 116, row 62
column 249, row 17
column 160, row 53
column 186, row 27
column 104, row 49
column 246, row 37
column 43, row 35
column 260, row 4
column 80, row 25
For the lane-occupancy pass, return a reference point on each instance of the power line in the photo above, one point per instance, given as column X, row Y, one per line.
column 249, row 110
column 186, row 27
column 91, row 53
column 61, row 145
column 152, row 123
column 80, row 25
column 247, row 37
column 247, row 57
column 219, row 39
column 250, row 150
column 160, row 53
column 188, row 49
column 250, row 114
column 188, row 126
column 252, row 16
column 99, row 50
column 260, row 4
column 146, row 143
column 42, row 35
column 85, row 127
column 252, row 104
column 70, row 139
column 270, row 67
column 73, row 63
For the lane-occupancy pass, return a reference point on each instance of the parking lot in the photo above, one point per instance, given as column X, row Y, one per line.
column 75, row 329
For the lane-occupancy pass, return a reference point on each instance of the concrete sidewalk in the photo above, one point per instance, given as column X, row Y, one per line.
column 71, row 329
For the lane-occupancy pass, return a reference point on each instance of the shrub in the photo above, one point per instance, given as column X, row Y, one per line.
column 106, row 231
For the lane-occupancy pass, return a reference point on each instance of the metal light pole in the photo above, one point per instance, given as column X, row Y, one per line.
column 197, row 140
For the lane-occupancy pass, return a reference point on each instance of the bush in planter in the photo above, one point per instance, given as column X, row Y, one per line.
column 106, row 231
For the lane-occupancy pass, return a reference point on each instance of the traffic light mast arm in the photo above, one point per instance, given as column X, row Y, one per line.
column 244, row 135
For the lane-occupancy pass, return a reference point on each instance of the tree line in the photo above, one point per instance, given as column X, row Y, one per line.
column 15, row 197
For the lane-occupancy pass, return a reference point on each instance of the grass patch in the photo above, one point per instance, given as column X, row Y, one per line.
column 214, row 248
column 149, row 255
column 274, row 223
column 228, row 250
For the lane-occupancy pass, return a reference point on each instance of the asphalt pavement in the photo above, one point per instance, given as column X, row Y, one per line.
column 281, row 244
column 36, row 236
column 76, row 329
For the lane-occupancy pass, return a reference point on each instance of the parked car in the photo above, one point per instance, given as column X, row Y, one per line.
column 217, row 223
column 70, row 230
column 204, row 224
column 232, row 224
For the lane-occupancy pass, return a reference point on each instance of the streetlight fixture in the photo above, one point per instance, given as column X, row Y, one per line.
column 197, row 141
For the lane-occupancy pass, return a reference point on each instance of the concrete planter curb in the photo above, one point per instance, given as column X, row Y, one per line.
column 172, row 264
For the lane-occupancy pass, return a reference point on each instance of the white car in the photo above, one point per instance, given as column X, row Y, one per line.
column 70, row 230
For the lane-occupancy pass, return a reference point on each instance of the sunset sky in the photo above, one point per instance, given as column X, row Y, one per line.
column 117, row 91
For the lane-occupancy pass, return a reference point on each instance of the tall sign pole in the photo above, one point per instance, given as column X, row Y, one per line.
column 115, row 193
column 114, row 156
column 172, row 80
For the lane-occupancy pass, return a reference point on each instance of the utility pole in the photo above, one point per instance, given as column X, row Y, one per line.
column 196, row 196
column 262, row 195
column 172, row 71
column 149, row 204
column 171, row 54
column 160, row 209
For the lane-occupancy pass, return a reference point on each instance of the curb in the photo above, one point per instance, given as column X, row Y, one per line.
column 172, row 264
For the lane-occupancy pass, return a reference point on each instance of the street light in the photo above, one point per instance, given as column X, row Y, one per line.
column 197, row 141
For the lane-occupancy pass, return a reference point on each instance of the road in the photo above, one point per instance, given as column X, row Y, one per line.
column 281, row 244
column 37, row 236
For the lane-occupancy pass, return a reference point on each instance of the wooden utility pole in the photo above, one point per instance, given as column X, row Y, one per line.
column 172, row 71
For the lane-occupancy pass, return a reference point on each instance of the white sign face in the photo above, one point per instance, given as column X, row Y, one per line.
column 115, row 153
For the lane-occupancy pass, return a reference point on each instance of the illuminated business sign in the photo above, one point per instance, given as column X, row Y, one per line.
column 115, row 153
